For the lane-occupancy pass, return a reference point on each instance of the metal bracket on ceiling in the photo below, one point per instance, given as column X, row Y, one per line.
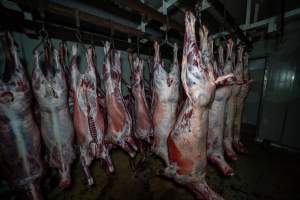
column 28, row 16
column 143, row 40
column 200, row 7
column 205, row 5
column 270, row 22
column 14, row 6
column 162, row 9
column 221, row 34
column 248, row 12
column 11, row 5
column 272, row 26
column 166, row 4
column 142, row 26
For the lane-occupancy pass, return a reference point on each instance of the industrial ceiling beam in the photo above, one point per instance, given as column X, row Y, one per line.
column 216, row 10
column 114, row 9
column 84, row 17
column 163, row 9
column 166, row 4
column 59, row 30
column 153, row 14
column 98, row 21
column 219, row 11
column 248, row 12
column 270, row 23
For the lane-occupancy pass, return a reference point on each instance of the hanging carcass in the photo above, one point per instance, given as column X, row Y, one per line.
column 143, row 128
column 244, row 90
column 88, row 119
column 165, row 96
column 230, row 106
column 188, row 139
column 20, row 141
column 119, row 120
column 215, row 151
column 51, row 92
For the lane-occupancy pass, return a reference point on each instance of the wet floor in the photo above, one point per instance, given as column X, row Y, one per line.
column 264, row 173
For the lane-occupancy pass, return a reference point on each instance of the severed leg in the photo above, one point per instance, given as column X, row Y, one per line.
column 87, row 172
column 228, row 135
column 193, row 182
column 237, row 144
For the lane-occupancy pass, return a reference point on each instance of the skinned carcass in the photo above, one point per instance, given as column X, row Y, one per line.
column 215, row 151
column 88, row 119
column 63, row 60
column 244, row 90
column 20, row 140
column 230, row 107
column 51, row 92
column 165, row 96
column 137, row 104
column 188, row 139
column 119, row 120
column 142, row 126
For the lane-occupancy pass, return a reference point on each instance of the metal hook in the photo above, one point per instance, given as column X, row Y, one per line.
column 138, row 46
column 166, row 40
column 112, row 38
column 43, row 32
column 78, row 37
column 44, row 35
column 92, row 40
column 103, row 43
column 198, row 9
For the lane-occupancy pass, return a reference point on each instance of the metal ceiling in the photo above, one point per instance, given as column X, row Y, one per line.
column 144, row 20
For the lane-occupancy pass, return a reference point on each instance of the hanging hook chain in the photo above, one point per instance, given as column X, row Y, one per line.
column 78, row 36
column 78, row 33
column 112, row 38
column 138, row 45
column 198, row 9
column 166, row 40
column 167, row 27
column 43, row 32
column 77, row 21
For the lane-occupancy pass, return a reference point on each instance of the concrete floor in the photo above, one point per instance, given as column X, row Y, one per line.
column 265, row 173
